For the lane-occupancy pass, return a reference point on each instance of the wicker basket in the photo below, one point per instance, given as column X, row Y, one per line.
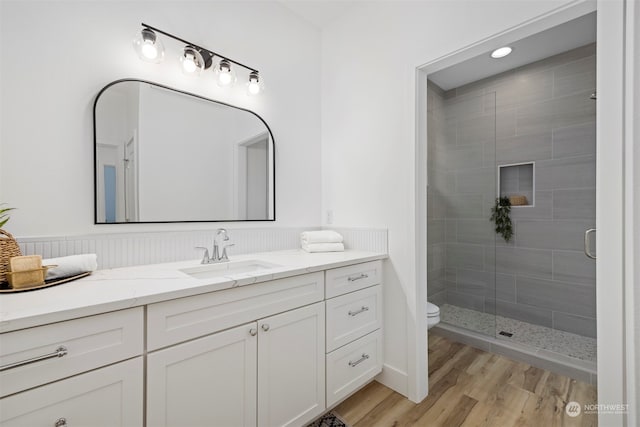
column 518, row 200
column 8, row 248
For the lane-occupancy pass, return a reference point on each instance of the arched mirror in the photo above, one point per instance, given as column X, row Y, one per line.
column 163, row 155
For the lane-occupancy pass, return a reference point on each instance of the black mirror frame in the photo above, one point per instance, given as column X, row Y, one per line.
column 95, row 157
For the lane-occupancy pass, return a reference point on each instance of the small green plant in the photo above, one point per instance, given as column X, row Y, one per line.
column 4, row 215
column 501, row 216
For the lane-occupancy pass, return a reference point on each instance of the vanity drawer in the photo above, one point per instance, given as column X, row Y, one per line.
column 352, row 366
column 107, row 397
column 179, row 320
column 353, row 277
column 353, row 315
column 30, row 357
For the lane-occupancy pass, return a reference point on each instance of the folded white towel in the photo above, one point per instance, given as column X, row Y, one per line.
column 323, row 247
column 71, row 265
column 321, row 236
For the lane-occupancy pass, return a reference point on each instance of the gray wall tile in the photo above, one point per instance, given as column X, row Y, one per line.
column 473, row 282
column 572, row 141
column 574, row 204
column 475, row 180
column 525, row 313
column 479, row 231
column 435, row 231
column 505, row 287
column 575, row 76
column 524, row 148
column 534, row 86
column 531, row 262
column 564, row 234
column 460, row 255
column 476, row 130
column 465, row 206
column 574, row 267
column 585, row 326
column 574, row 172
column 472, row 302
column 557, row 296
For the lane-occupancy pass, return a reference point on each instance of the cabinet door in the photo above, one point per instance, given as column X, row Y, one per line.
column 291, row 367
column 210, row 381
column 108, row 397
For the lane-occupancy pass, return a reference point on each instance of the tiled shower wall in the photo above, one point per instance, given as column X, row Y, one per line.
column 541, row 113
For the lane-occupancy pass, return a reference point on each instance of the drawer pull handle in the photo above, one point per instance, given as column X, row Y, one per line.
column 265, row 327
column 362, row 310
column 361, row 276
column 60, row 351
column 364, row 357
column 62, row 422
column 253, row 332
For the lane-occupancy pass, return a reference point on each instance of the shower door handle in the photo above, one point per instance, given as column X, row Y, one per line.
column 587, row 243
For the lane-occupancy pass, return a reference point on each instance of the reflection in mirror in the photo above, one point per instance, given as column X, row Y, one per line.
column 162, row 155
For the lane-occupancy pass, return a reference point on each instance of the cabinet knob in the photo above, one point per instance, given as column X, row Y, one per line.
column 253, row 332
column 62, row 422
column 265, row 327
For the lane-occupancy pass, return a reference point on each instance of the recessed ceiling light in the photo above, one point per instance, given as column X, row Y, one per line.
column 501, row 52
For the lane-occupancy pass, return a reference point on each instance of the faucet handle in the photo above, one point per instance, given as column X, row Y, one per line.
column 224, row 251
column 205, row 257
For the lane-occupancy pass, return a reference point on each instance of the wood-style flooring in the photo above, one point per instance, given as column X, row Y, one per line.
column 470, row 387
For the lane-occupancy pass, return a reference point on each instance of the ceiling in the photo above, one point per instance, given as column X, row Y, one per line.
column 319, row 13
column 555, row 40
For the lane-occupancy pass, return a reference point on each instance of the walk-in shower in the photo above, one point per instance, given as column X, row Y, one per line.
column 528, row 135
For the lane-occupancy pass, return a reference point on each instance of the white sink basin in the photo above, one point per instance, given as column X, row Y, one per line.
column 229, row 268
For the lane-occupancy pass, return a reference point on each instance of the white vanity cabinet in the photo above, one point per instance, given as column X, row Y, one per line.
column 268, row 372
column 269, row 354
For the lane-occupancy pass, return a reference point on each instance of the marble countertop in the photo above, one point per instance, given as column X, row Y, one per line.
column 120, row 288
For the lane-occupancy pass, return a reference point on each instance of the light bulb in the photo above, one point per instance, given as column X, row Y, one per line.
column 225, row 76
column 149, row 50
column 255, row 84
column 501, row 52
column 148, row 47
column 192, row 62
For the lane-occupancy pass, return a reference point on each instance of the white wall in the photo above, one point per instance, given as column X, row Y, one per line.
column 368, row 132
column 73, row 49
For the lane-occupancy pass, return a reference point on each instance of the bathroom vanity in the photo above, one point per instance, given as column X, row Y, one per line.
column 272, row 339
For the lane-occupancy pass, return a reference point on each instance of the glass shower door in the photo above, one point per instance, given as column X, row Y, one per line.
column 461, row 191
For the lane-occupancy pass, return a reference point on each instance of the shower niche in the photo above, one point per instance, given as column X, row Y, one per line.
column 517, row 182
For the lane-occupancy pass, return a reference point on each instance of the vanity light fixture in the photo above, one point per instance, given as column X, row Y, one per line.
column 148, row 47
column 194, row 59
column 501, row 52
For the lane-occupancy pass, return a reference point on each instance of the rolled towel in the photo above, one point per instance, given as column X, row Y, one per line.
column 68, row 266
column 320, row 236
column 323, row 247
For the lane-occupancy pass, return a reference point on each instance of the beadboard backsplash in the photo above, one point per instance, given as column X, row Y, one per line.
column 127, row 249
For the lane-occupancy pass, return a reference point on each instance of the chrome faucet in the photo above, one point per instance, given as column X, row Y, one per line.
column 219, row 241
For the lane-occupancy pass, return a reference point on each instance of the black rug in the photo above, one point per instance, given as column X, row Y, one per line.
column 329, row 420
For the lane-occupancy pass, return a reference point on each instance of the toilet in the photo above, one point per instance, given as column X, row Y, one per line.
column 433, row 315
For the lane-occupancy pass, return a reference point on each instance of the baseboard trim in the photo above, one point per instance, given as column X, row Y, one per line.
column 394, row 378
